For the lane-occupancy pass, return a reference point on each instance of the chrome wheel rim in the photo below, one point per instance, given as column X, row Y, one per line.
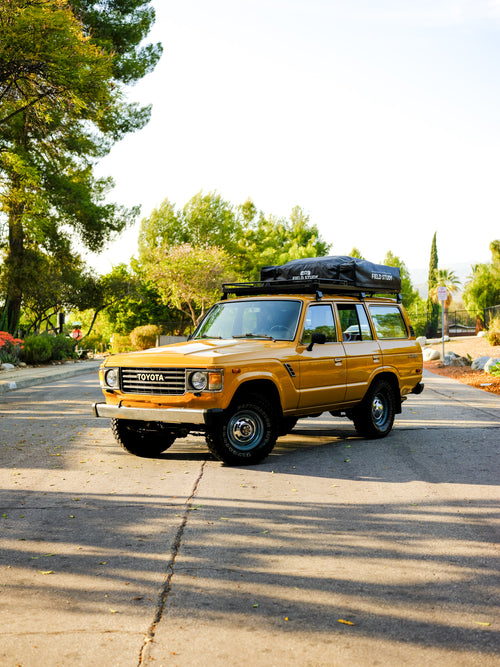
column 245, row 430
column 379, row 409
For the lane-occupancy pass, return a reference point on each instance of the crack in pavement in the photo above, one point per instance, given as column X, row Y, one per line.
column 165, row 589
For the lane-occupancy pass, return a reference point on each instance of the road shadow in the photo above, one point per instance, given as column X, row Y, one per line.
column 314, row 562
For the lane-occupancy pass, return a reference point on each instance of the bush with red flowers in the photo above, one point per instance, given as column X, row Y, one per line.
column 10, row 348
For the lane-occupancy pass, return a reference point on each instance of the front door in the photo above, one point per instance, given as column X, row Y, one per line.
column 322, row 369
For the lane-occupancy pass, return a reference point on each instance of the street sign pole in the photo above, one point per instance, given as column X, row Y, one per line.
column 442, row 296
column 442, row 325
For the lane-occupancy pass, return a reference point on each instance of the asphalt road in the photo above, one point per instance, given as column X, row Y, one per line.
column 335, row 551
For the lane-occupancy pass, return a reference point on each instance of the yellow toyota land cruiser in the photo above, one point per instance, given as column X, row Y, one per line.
column 313, row 335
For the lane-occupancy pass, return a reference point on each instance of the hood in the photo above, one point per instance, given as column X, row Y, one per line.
column 197, row 353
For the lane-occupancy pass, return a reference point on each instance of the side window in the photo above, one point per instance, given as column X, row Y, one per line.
column 354, row 322
column 388, row 322
column 319, row 319
column 366, row 332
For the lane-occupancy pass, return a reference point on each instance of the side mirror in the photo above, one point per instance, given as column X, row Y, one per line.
column 316, row 338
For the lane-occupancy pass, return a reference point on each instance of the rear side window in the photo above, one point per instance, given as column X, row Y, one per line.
column 353, row 322
column 319, row 319
column 388, row 322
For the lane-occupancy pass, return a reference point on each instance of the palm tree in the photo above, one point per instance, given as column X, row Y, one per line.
column 448, row 279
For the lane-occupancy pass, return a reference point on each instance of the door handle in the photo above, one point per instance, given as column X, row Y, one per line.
column 376, row 359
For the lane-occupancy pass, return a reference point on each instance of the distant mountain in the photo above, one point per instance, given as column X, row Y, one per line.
column 419, row 276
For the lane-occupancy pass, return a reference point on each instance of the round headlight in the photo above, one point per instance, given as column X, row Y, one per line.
column 111, row 377
column 198, row 380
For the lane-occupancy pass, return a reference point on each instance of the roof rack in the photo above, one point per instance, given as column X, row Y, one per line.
column 306, row 286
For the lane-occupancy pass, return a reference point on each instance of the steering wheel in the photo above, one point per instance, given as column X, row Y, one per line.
column 279, row 331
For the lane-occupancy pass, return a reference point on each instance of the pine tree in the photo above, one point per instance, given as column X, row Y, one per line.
column 63, row 66
column 432, row 306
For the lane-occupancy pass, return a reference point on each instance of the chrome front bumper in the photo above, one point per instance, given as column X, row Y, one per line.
column 167, row 415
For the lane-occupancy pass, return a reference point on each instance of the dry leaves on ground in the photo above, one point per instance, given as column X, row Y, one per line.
column 473, row 347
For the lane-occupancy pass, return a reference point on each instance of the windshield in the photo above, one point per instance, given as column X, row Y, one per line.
column 266, row 318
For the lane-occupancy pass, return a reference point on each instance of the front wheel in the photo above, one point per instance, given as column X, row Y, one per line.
column 142, row 438
column 375, row 416
column 245, row 434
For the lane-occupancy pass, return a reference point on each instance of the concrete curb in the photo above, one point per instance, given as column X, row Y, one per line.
column 30, row 377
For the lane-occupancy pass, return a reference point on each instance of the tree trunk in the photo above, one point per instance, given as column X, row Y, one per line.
column 15, row 206
column 14, row 264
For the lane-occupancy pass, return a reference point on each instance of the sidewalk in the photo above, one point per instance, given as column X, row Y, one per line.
column 20, row 378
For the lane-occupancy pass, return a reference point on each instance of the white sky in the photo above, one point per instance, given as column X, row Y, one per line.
column 380, row 118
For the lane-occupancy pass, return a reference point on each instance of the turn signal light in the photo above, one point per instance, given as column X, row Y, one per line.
column 215, row 380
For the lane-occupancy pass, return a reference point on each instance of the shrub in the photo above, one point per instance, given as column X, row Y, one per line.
column 144, row 337
column 120, row 343
column 493, row 335
column 62, row 347
column 37, row 349
column 40, row 349
column 95, row 341
column 10, row 348
column 495, row 370
column 419, row 323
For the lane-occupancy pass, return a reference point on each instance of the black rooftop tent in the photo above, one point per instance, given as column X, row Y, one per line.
column 335, row 273
column 356, row 272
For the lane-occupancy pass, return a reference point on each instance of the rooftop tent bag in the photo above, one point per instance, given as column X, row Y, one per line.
column 347, row 270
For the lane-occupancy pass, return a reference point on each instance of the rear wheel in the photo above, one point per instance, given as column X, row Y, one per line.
column 246, row 433
column 142, row 438
column 375, row 416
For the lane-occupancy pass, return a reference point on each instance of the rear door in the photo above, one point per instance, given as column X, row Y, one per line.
column 398, row 349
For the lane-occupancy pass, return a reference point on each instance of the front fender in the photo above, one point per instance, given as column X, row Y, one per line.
column 279, row 378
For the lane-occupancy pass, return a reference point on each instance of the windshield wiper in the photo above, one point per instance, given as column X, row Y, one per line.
column 209, row 336
column 252, row 335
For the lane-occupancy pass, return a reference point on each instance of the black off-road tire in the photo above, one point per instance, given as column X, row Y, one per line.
column 147, row 439
column 374, row 417
column 245, row 433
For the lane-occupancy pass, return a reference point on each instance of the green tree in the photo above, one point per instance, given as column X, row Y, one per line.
column 120, row 28
column 212, row 221
column 190, row 277
column 139, row 306
column 495, row 252
column 243, row 232
column 410, row 295
column 33, row 55
column 248, row 213
column 115, row 287
column 483, row 287
column 356, row 253
column 205, row 219
column 35, row 67
column 164, row 226
column 432, row 306
column 55, row 283
column 271, row 240
column 61, row 113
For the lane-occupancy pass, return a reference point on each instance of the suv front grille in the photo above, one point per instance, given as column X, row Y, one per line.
column 159, row 381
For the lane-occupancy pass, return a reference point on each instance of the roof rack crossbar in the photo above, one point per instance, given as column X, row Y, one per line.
column 324, row 285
